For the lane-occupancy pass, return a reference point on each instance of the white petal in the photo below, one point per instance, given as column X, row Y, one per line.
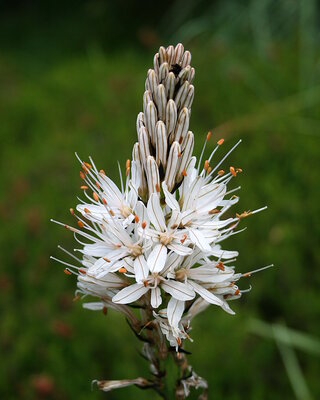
column 141, row 212
column 224, row 254
column 170, row 198
column 156, row 299
column 130, row 293
column 209, row 274
column 102, row 268
column 174, row 311
column 157, row 258
column 178, row 290
column 205, row 294
column 93, row 306
column 210, row 197
column 225, row 306
column 180, row 249
column 155, row 213
column 141, row 269
column 199, row 240
column 96, row 249
column 173, row 260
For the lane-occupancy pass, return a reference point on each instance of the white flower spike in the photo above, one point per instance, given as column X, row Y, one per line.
column 156, row 240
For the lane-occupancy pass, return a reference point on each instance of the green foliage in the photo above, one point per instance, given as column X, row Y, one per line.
column 87, row 101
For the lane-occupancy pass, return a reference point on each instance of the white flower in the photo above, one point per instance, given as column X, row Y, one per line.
column 156, row 240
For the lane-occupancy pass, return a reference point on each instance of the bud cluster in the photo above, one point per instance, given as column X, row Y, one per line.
column 165, row 144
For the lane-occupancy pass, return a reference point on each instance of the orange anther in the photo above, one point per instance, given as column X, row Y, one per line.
column 82, row 271
column 128, row 171
column 238, row 170
column 71, row 211
column 76, row 298
column 104, row 201
column 209, row 170
column 82, row 175
column 67, row 272
column 237, row 292
column 247, row 275
column 214, row 211
column 86, row 211
column 97, row 184
column 106, row 259
column 89, row 166
column 208, row 136
column 122, row 270
column 95, row 196
column 128, row 164
column 136, row 218
column 221, row 172
column 233, row 172
column 183, row 239
column 245, row 214
column 111, row 213
column 220, row 266
column 85, row 169
column 184, row 173
column 206, row 165
column 84, row 187
column 157, row 188
column 144, row 224
column 101, row 172
column 179, row 154
column 80, row 224
column 220, row 142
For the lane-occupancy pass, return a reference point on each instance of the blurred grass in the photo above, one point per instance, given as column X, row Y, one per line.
column 87, row 101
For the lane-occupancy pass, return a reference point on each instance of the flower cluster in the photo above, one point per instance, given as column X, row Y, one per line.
column 155, row 242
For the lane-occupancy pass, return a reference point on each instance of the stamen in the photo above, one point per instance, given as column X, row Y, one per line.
column 226, row 156
column 203, row 149
column 84, row 187
column 220, row 142
column 248, row 274
column 122, row 270
column 214, row 211
column 80, row 224
column 95, row 196
column 71, row 211
column 220, row 266
column 82, row 175
column 183, row 239
column 233, row 172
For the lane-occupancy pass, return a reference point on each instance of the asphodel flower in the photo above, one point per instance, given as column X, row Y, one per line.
column 155, row 241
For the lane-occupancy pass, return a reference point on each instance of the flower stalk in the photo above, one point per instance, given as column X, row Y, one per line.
column 153, row 245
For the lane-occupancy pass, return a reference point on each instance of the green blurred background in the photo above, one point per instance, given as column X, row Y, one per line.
column 72, row 78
